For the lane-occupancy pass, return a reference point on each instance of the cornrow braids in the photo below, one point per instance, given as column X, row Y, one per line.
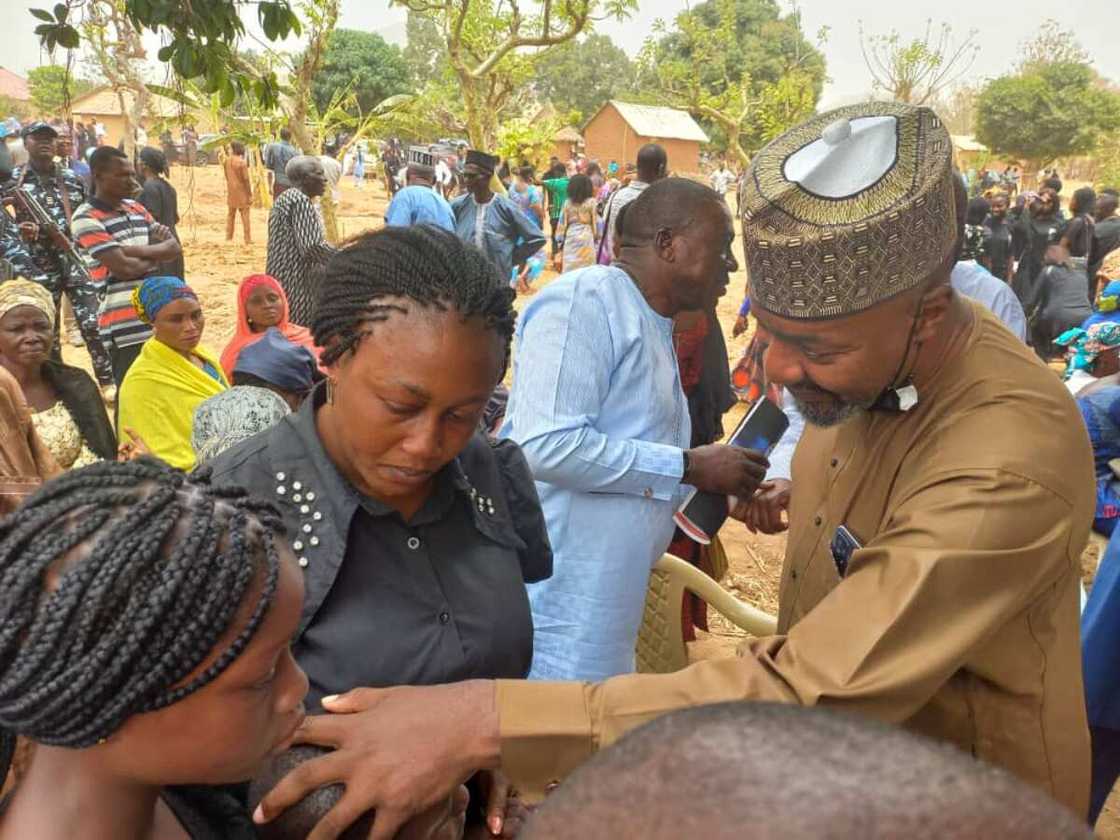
column 164, row 578
column 422, row 263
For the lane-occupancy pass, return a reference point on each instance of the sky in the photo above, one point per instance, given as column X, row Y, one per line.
column 1002, row 28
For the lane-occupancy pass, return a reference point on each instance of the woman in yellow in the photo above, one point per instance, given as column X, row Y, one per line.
column 173, row 373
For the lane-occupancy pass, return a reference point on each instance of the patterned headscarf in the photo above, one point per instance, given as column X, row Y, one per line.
column 1085, row 345
column 156, row 292
column 233, row 416
column 1109, row 298
column 15, row 293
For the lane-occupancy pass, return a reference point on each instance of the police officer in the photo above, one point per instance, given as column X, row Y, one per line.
column 60, row 192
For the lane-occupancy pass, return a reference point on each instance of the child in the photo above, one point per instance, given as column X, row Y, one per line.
column 144, row 635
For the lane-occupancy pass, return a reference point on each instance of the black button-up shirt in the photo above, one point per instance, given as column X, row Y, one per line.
column 438, row 599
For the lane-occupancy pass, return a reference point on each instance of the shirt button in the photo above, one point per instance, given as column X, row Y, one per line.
column 817, row 521
column 444, row 617
column 413, row 543
column 793, row 574
column 835, row 461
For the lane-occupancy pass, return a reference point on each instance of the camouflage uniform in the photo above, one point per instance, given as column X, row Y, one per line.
column 13, row 251
column 54, row 273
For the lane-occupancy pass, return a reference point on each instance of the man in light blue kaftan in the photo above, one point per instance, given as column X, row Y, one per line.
column 492, row 222
column 598, row 409
column 420, row 203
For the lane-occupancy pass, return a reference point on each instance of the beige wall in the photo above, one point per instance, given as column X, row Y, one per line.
column 609, row 137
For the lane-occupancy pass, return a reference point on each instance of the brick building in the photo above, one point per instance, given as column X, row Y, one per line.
column 619, row 129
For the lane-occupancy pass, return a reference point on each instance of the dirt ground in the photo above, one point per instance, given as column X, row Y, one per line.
column 215, row 267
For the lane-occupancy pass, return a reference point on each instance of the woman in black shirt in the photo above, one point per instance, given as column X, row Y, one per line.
column 161, row 200
column 999, row 238
column 1039, row 228
column 415, row 533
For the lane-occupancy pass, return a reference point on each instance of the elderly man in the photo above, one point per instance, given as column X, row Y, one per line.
column 297, row 243
column 932, row 575
column 492, row 222
column 420, row 202
column 598, row 409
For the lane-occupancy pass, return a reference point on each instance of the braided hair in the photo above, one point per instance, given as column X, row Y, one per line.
column 163, row 579
column 423, row 263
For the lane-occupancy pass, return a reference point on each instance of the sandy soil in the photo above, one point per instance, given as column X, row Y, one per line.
column 215, row 267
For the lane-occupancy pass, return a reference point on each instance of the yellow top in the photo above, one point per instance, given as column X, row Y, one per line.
column 159, row 395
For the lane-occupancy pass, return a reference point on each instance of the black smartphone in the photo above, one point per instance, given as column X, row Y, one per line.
column 703, row 514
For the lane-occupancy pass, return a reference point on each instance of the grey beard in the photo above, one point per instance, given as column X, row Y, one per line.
column 831, row 415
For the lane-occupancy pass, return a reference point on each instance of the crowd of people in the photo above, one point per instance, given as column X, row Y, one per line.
column 188, row 555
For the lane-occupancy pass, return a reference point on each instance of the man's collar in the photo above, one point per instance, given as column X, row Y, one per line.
column 105, row 206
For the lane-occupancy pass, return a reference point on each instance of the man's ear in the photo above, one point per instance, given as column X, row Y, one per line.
column 934, row 307
column 666, row 247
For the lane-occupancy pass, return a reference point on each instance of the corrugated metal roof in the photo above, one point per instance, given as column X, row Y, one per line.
column 103, row 102
column 13, row 85
column 658, row 122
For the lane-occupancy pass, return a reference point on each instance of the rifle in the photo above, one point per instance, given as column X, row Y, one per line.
column 31, row 206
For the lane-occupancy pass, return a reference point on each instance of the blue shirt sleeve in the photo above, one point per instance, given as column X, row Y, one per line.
column 398, row 213
column 567, row 364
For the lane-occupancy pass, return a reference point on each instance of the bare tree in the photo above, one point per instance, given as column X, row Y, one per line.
column 957, row 108
column 916, row 71
column 119, row 54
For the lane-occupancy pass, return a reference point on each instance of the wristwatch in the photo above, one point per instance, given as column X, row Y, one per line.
column 684, row 455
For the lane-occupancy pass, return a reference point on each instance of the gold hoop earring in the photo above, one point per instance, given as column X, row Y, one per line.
column 330, row 392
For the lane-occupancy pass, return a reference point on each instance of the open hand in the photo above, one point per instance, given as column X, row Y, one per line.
column 397, row 751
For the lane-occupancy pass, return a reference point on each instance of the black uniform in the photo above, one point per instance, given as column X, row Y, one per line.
column 438, row 599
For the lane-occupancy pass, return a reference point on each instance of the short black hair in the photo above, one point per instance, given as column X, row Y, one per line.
column 1054, row 183
column 978, row 210
column 285, row 134
column 422, row 263
column 652, row 159
column 237, row 147
column 102, row 159
column 154, row 159
column 1084, row 200
column 671, row 203
column 170, row 562
column 580, row 189
column 1107, row 203
column 771, row 771
column 298, row 821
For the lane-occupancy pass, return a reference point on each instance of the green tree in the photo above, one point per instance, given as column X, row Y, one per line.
column 52, row 88
column 201, row 38
column 1046, row 112
column 491, row 47
column 374, row 68
column 740, row 66
column 425, row 48
column 917, row 70
column 584, row 73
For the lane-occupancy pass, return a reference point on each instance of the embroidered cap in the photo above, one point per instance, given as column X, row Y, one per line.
column 419, row 156
column 848, row 210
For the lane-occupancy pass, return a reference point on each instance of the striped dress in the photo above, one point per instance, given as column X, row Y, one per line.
column 98, row 227
column 297, row 251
